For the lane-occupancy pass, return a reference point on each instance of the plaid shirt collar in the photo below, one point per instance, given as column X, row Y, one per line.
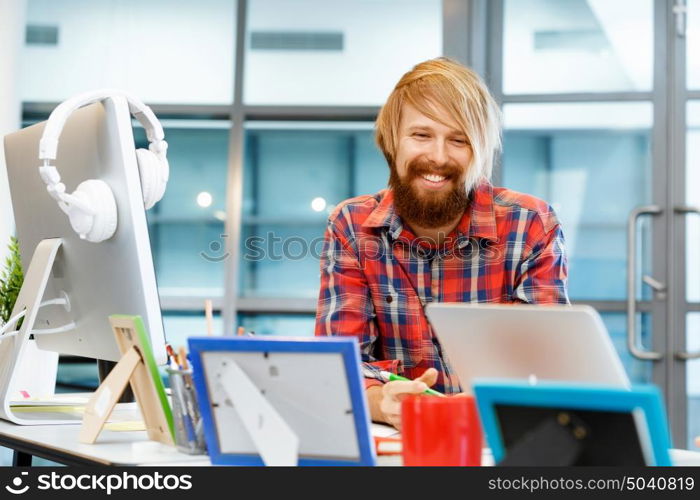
column 478, row 221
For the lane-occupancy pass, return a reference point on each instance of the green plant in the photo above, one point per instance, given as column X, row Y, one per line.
column 10, row 280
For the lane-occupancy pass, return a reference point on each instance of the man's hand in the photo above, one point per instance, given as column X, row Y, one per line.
column 391, row 394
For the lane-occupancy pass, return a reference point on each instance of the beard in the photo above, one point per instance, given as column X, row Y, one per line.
column 428, row 209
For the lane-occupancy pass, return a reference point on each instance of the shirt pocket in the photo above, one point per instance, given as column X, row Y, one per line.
column 402, row 324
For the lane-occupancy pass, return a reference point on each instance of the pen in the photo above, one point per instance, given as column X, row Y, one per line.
column 388, row 376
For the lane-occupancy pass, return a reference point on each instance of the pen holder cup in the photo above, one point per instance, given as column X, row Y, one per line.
column 189, row 428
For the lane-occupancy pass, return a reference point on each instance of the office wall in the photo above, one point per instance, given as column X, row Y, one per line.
column 12, row 14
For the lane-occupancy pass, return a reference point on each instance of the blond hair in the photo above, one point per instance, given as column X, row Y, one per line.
column 445, row 85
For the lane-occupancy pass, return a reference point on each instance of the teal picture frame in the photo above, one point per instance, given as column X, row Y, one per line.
column 490, row 393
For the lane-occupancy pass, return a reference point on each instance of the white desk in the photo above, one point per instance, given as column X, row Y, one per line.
column 59, row 443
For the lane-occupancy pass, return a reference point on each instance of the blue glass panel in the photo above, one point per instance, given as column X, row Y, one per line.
column 187, row 225
column 179, row 325
column 294, row 325
column 592, row 163
column 693, row 34
column 293, row 180
column 639, row 372
column 692, row 377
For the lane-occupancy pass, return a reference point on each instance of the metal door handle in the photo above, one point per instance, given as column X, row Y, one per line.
column 687, row 209
column 631, row 288
column 658, row 287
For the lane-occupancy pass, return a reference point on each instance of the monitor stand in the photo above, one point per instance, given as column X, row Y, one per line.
column 17, row 353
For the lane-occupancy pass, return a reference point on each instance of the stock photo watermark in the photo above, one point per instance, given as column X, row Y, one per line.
column 105, row 482
column 275, row 248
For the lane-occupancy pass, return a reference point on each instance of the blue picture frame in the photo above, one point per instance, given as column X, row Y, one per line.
column 347, row 347
column 490, row 392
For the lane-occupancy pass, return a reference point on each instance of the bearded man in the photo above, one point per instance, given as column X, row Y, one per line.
column 440, row 233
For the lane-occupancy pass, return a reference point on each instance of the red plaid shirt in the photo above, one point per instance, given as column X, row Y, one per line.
column 377, row 276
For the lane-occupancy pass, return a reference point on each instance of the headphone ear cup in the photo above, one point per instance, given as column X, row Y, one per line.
column 163, row 175
column 153, row 176
column 102, row 225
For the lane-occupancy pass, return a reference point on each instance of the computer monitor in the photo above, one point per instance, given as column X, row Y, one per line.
column 115, row 276
column 555, row 343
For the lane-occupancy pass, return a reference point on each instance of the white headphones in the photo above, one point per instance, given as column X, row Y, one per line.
column 91, row 208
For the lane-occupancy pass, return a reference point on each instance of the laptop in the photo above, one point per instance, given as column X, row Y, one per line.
column 553, row 343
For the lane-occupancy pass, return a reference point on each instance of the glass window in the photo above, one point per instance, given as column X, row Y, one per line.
column 693, row 42
column 577, row 46
column 76, row 375
column 293, row 180
column 187, row 225
column 693, row 379
column 692, row 196
column 161, row 51
column 294, row 325
column 639, row 372
column 343, row 53
column 179, row 325
column 591, row 162
column 7, row 456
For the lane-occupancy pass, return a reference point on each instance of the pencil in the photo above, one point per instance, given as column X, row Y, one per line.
column 183, row 357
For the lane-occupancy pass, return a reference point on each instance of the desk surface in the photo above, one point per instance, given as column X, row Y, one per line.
column 59, row 443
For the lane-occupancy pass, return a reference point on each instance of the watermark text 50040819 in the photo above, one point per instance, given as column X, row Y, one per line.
column 624, row 483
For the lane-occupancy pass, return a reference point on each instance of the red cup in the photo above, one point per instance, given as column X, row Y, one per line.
column 440, row 431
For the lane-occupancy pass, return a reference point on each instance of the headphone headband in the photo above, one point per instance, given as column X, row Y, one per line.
column 92, row 208
column 54, row 126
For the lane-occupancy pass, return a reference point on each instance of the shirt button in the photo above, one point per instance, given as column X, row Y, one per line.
column 389, row 299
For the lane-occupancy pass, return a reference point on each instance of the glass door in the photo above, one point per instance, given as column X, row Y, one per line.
column 601, row 103
column 685, row 373
column 577, row 82
column 592, row 162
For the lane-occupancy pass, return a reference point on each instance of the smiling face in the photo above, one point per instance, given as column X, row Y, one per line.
column 429, row 173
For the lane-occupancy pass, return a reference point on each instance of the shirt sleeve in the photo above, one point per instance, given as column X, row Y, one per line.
column 345, row 305
column 542, row 276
